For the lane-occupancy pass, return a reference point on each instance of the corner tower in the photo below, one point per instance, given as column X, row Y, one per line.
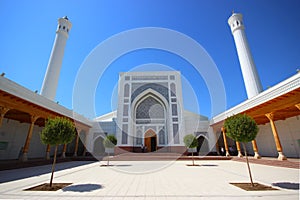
column 250, row 75
column 54, row 65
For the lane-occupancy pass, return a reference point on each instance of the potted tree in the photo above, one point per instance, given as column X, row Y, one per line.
column 109, row 143
column 191, row 143
column 57, row 131
column 243, row 128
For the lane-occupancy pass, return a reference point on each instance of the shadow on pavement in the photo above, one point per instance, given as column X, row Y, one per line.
column 122, row 165
column 16, row 174
column 287, row 185
column 209, row 165
column 82, row 188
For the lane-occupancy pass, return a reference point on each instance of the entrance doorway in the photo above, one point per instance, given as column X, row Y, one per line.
column 203, row 147
column 99, row 147
column 150, row 140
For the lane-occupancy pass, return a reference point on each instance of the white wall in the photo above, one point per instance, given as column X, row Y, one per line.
column 288, row 131
column 15, row 134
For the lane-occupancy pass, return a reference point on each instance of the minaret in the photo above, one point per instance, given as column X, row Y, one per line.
column 53, row 70
column 251, row 78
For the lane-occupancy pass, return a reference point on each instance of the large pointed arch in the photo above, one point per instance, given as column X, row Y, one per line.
column 149, row 92
column 156, row 123
column 144, row 95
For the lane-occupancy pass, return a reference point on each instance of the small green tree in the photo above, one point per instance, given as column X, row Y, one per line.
column 190, row 141
column 57, row 131
column 242, row 128
column 109, row 143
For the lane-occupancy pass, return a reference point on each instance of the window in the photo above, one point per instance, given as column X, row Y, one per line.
column 125, row 110
column 124, row 133
column 175, row 119
column 173, row 90
column 127, row 78
column 172, row 77
column 175, row 134
column 64, row 27
column 173, row 100
column 161, row 136
column 139, row 137
column 126, row 90
column 174, row 110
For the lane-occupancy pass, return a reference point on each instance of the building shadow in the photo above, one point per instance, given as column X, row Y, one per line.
column 287, row 185
column 17, row 174
column 82, row 188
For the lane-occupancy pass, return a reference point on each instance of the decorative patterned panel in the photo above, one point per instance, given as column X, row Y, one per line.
column 139, row 88
column 146, row 78
column 150, row 108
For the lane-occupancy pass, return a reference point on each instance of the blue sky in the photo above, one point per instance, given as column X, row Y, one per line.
column 28, row 31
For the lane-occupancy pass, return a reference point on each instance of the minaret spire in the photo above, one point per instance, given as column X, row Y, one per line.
column 55, row 61
column 250, row 75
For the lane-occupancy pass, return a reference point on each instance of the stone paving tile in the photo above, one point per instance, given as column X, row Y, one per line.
column 290, row 163
column 126, row 180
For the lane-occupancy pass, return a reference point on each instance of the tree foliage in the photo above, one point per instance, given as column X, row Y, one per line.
column 190, row 141
column 241, row 128
column 110, row 141
column 57, row 131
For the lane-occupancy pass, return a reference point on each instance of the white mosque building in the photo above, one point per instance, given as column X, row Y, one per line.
column 150, row 112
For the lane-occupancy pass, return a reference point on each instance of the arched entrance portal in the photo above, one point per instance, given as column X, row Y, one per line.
column 150, row 140
column 98, row 147
column 203, row 147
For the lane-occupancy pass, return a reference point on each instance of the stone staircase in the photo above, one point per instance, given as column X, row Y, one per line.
column 153, row 156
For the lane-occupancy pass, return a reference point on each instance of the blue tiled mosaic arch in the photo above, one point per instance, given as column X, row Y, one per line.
column 154, row 86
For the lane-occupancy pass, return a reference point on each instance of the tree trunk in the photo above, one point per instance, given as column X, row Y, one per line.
column 108, row 159
column 193, row 157
column 244, row 146
column 53, row 166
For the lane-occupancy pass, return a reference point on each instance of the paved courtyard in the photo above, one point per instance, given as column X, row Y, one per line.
column 150, row 180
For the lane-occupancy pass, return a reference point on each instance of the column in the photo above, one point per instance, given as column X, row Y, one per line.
column 63, row 155
column 28, row 138
column 255, row 149
column 281, row 156
column 76, row 142
column 238, row 147
column 3, row 111
column 217, row 145
column 225, row 142
column 48, row 152
column 85, row 143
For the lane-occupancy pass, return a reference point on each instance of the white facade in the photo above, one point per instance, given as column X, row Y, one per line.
column 250, row 75
column 53, row 70
column 151, row 102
